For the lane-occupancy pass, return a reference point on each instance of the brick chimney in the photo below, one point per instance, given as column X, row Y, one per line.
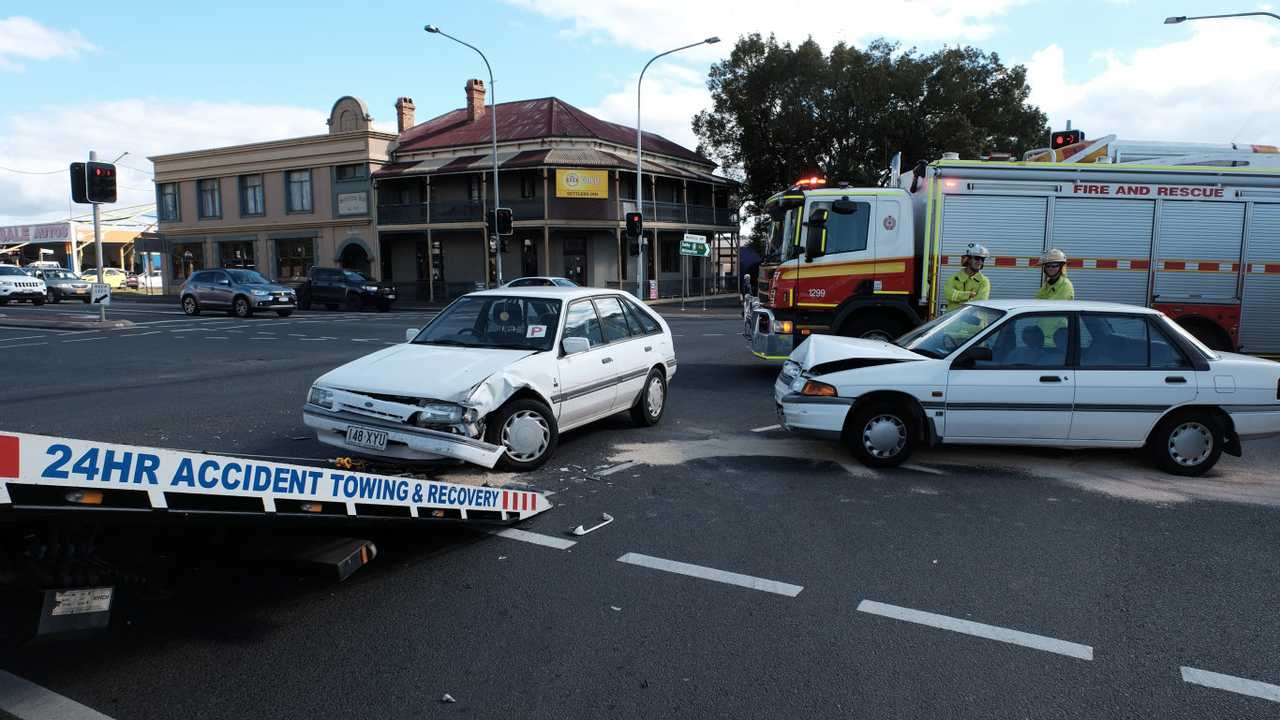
column 475, row 99
column 404, row 114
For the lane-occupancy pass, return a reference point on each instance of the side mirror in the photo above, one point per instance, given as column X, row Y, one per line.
column 815, row 241
column 972, row 357
column 410, row 334
column 575, row 345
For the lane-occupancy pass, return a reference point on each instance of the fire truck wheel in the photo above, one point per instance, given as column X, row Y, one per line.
column 881, row 434
column 873, row 327
column 1208, row 333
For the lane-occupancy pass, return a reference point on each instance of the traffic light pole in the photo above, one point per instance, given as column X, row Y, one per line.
column 97, row 244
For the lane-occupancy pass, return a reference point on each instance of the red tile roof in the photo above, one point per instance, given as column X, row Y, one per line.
column 530, row 120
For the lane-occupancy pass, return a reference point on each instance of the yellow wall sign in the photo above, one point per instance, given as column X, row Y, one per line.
column 582, row 183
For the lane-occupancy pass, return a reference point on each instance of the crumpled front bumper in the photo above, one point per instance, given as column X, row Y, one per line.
column 767, row 344
column 404, row 442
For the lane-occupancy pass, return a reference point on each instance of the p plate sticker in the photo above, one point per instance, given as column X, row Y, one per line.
column 536, row 331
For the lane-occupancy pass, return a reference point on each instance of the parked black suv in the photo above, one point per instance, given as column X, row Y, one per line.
column 335, row 287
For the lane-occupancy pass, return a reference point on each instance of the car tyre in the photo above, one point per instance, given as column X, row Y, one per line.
column 304, row 302
column 52, row 297
column 384, row 306
column 4, row 301
column 240, row 308
column 869, row 326
column 84, row 300
column 527, row 429
column 652, row 401
column 881, row 434
column 38, row 301
column 189, row 305
column 1187, row 443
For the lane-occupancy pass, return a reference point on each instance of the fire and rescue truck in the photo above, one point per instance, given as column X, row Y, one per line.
column 1190, row 229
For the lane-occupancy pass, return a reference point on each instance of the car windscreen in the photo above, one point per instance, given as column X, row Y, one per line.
column 355, row 277
column 943, row 335
column 247, row 277
column 518, row 323
column 59, row 275
column 11, row 271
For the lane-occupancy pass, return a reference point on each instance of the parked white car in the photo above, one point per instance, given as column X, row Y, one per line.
column 497, row 376
column 1030, row 372
column 16, row 286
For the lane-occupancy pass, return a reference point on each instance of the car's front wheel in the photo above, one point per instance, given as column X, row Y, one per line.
column 51, row 297
column 652, row 401
column 189, row 305
column 527, row 430
column 38, row 301
column 882, row 434
column 1187, row 443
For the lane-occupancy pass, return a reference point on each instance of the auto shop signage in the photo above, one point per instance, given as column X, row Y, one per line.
column 48, row 232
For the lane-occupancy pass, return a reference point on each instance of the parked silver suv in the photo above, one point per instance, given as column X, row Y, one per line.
column 239, row 291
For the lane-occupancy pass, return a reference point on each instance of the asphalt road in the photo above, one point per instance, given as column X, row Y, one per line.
column 747, row 574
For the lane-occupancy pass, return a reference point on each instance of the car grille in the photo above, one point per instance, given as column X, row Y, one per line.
column 25, row 284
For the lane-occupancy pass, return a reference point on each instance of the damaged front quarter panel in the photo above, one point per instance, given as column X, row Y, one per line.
column 528, row 373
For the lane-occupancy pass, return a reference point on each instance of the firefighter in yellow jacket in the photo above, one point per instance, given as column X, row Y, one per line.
column 969, row 283
column 1054, row 284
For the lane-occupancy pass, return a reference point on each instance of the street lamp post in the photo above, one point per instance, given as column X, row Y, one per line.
column 640, row 156
column 493, row 120
column 1177, row 19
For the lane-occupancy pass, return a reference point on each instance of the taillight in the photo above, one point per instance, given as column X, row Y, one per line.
column 817, row 389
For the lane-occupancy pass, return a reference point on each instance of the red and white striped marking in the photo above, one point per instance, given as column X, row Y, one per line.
column 9, row 464
column 518, row 500
column 1133, row 264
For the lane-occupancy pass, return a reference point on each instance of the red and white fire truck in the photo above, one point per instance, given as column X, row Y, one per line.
column 1190, row 229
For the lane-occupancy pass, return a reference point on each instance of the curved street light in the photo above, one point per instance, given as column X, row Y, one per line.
column 1178, row 19
column 640, row 155
column 493, row 120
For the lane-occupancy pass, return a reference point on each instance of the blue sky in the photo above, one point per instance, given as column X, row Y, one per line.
column 160, row 77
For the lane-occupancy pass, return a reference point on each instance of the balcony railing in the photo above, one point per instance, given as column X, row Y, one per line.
column 465, row 211
column 669, row 212
column 402, row 214
column 526, row 209
column 701, row 215
column 533, row 209
column 726, row 216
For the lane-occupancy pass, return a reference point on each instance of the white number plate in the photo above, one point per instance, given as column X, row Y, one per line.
column 366, row 437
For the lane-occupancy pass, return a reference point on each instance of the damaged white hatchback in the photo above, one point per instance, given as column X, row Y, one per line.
column 497, row 376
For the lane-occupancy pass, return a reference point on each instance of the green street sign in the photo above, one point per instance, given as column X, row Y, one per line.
column 695, row 245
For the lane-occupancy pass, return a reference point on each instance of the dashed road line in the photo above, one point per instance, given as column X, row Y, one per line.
column 153, row 332
column 617, row 468
column 24, row 337
column 216, row 337
column 923, row 469
column 968, row 627
column 712, row 334
column 1231, row 683
column 84, row 339
column 6, row 347
column 28, row 701
column 535, row 538
column 706, row 573
column 766, row 428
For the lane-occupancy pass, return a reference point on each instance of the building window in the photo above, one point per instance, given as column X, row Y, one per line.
column 237, row 254
column 669, row 251
column 473, row 189
column 527, row 185
column 294, row 258
column 210, row 198
column 169, row 205
column 186, row 258
column 349, row 172
column 252, row 201
column 298, row 187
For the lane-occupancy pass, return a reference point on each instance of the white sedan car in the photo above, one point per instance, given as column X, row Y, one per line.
column 1030, row 372
column 497, row 376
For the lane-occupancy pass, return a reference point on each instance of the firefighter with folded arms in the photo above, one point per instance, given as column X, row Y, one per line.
column 1054, row 284
column 969, row 283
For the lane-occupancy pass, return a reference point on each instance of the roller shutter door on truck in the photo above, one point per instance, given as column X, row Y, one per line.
column 1107, row 236
column 1199, row 242
column 1010, row 226
column 1260, row 311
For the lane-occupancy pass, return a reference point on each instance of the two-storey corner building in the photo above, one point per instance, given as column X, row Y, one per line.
column 569, row 179
column 280, row 206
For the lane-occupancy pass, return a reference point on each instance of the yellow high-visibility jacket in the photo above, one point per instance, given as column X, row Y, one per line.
column 961, row 284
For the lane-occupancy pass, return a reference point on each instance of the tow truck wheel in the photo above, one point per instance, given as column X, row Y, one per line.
column 527, row 429
column 873, row 327
column 652, row 400
column 881, row 435
column 1187, row 443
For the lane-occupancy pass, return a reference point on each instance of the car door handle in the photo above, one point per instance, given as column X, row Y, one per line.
column 606, row 361
column 1175, row 380
column 1050, row 378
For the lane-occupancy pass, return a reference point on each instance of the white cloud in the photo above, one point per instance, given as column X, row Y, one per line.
column 672, row 94
column 22, row 38
column 51, row 137
column 1218, row 85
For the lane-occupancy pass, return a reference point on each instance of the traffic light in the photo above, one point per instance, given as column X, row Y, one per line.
column 498, row 222
column 635, row 224
column 1063, row 138
column 502, row 244
column 78, row 184
column 100, row 185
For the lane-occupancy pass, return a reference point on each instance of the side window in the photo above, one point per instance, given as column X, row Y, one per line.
column 1028, row 341
column 1164, row 354
column 638, row 318
column 582, row 322
column 199, row 278
column 615, row 323
column 847, row 233
column 220, row 278
column 1113, row 341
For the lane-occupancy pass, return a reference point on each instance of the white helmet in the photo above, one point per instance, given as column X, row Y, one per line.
column 1053, row 255
column 976, row 250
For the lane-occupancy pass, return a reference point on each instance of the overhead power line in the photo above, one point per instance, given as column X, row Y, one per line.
column 33, row 172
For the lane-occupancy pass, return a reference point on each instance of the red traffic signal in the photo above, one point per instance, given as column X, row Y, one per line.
column 1063, row 138
column 99, row 182
column 635, row 224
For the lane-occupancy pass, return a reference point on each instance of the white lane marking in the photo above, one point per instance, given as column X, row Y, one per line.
column 535, row 538
column 24, row 337
column 712, row 334
column 215, row 337
column 297, row 334
column 153, row 332
column 616, row 468
column 706, row 573
column 5, row 347
column 269, row 338
column 85, row 339
column 766, row 428
column 968, row 627
column 28, row 701
column 1231, row 683
column 923, row 469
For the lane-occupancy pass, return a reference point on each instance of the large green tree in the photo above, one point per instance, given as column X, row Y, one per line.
column 780, row 112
